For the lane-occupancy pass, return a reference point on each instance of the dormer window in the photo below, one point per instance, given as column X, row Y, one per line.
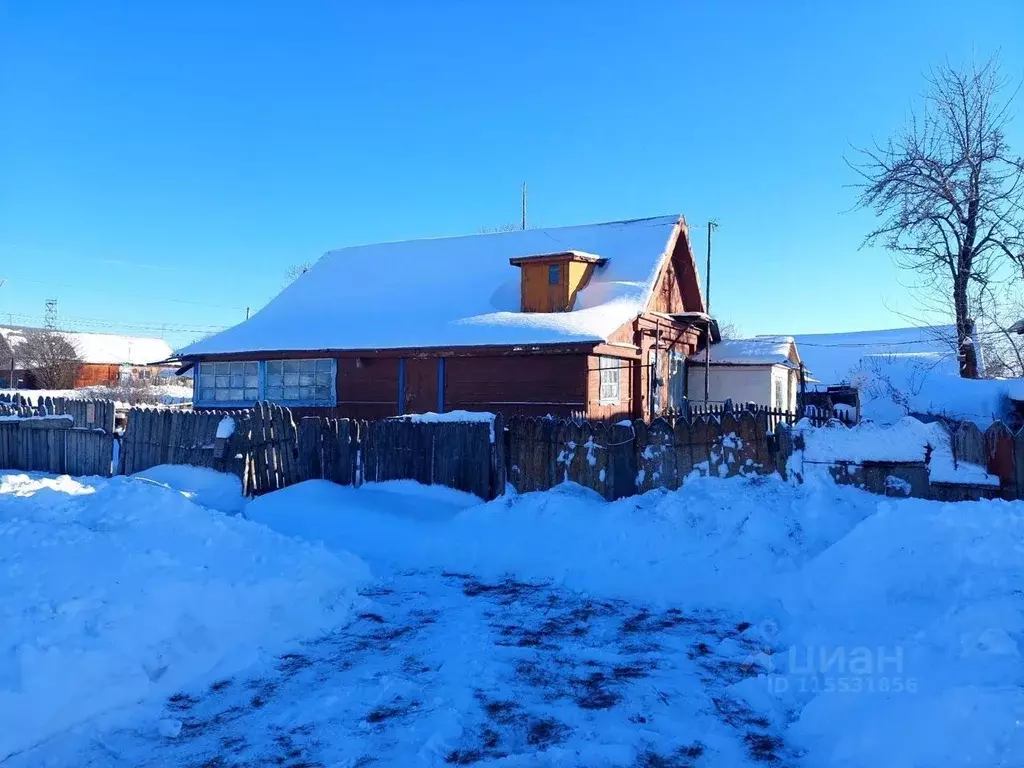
column 550, row 281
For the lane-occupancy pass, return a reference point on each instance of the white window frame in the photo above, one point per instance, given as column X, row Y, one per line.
column 779, row 394
column 608, row 365
column 262, row 390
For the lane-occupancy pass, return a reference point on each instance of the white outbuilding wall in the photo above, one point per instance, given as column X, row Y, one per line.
column 745, row 384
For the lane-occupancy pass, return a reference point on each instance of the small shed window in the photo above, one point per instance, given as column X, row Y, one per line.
column 554, row 274
column 609, row 372
column 234, row 382
column 310, row 382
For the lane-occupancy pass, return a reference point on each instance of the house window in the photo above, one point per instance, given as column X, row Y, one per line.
column 288, row 382
column 554, row 274
column 235, row 382
column 609, row 372
column 780, row 395
column 310, row 382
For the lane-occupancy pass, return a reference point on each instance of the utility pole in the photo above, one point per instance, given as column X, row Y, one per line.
column 246, row 313
column 707, row 309
column 524, row 205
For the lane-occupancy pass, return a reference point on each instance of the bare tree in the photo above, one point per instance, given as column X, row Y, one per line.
column 295, row 271
column 6, row 362
column 507, row 227
column 730, row 330
column 51, row 358
column 951, row 193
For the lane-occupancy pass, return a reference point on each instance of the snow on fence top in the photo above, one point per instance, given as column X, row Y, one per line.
column 453, row 291
column 102, row 348
column 452, row 417
column 906, row 441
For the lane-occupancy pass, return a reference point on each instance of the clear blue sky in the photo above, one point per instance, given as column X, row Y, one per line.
column 153, row 155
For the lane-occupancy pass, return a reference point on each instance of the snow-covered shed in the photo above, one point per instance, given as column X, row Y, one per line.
column 560, row 320
column 764, row 370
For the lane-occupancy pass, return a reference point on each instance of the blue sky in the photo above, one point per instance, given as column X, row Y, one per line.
column 161, row 165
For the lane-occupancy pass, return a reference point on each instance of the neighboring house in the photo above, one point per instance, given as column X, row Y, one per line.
column 569, row 320
column 764, row 370
column 107, row 358
column 840, row 358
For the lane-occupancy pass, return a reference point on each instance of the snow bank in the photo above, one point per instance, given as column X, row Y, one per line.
column 216, row 490
column 891, row 388
column 891, row 628
column 908, row 440
column 835, row 358
column 714, row 542
column 919, row 608
column 118, row 590
column 906, row 370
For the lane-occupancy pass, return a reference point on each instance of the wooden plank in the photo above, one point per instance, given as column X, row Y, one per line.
column 498, row 459
column 310, row 462
column 999, row 450
column 969, row 444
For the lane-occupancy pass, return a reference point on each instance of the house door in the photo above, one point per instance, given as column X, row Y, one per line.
column 676, row 381
column 420, row 385
column 656, row 384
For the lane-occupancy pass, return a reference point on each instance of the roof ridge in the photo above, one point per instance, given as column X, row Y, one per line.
column 675, row 216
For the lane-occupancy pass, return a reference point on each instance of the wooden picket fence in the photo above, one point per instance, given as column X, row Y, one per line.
column 817, row 415
column 86, row 414
column 628, row 458
column 57, row 435
column 269, row 450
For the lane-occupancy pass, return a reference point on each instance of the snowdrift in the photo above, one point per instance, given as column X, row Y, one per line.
column 888, row 630
column 891, row 628
column 120, row 590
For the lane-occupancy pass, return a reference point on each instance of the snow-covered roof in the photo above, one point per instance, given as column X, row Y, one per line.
column 760, row 350
column 102, row 348
column 454, row 291
column 834, row 357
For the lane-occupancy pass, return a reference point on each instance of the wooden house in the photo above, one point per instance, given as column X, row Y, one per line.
column 106, row 358
column 593, row 320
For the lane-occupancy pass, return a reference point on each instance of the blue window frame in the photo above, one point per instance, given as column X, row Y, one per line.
column 554, row 274
column 235, row 384
column 225, row 383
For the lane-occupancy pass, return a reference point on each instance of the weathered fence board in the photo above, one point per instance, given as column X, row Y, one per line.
column 1001, row 454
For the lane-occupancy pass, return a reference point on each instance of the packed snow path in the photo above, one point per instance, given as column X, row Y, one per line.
column 441, row 668
column 731, row 622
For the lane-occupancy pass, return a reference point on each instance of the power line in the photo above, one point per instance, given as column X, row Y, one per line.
column 50, row 283
column 97, row 322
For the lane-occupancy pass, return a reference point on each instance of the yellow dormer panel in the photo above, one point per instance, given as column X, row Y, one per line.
column 551, row 281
